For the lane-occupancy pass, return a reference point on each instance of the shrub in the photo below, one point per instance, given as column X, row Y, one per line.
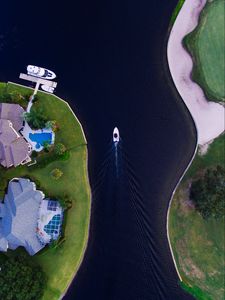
column 47, row 146
column 36, row 118
column 65, row 202
column 50, row 125
column 34, row 154
column 207, row 193
column 59, row 149
column 56, row 173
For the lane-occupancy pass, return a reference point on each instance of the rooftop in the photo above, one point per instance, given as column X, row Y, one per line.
column 12, row 112
column 14, row 149
column 25, row 218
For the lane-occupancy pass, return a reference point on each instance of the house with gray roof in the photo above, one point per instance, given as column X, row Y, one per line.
column 14, row 149
column 12, row 112
column 27, row 219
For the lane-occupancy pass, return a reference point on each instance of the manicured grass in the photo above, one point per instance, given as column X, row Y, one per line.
column 207, row 45
column 176, row 11
column 215, row 156
column 198, row 245
column 61, row 263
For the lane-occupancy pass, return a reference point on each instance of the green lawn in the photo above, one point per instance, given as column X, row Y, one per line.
column 198, row 245
column 61, row 263
column 176, row 11
column 207, row 46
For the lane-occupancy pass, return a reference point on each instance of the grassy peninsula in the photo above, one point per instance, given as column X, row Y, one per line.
column 198, row 244
column 206, row 45
column 59, row 263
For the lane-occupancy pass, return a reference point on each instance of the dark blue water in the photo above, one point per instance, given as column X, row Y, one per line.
column 110, row 58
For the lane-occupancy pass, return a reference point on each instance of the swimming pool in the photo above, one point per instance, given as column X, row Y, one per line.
column 54, row 226
column 41, row 138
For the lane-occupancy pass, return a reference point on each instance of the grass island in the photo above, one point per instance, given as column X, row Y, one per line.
column 71, row 185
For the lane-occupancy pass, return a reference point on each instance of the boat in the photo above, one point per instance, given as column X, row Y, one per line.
column 116, row 135
column 40, row 72
column 47, row 88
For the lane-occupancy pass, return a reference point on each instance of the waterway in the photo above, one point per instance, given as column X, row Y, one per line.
column 110, row 58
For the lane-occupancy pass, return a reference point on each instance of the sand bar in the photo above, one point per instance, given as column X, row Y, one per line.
column 208, row 116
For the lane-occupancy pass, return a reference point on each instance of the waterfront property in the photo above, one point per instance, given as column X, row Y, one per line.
column 14, row 149
column 27, row 219
column 37, row 138
column 60, row 262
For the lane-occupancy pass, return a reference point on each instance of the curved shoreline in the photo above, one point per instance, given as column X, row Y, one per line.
column 208, row 116
column 181, row 65
column 88, row 188
column 169, row 206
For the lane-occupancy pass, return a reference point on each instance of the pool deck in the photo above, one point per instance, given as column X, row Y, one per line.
column 26, row 132
column 44, row 218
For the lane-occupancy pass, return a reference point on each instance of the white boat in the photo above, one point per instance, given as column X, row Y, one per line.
column 116, row 135
column 47, row 88
column 40, row 72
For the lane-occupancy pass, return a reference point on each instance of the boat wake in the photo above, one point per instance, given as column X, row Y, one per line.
column 123, row 230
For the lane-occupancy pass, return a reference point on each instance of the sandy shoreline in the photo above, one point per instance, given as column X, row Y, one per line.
column 208, row 116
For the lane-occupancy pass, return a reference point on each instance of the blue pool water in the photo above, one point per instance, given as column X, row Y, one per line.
column 41, row 138
column 53, row 227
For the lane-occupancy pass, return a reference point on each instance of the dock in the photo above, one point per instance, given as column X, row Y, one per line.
column 38, row 81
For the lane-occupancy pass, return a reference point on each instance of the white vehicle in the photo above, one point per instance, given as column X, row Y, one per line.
column 116, row 135
column 40, row 72
column 47, row 88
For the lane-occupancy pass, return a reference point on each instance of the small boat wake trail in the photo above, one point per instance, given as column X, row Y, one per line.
column 150, row 272
column 124, row 259
column 121, row 230
column 116, row 158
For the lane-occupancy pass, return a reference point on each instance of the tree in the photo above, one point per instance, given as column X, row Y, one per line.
column 15, row 96
column 207, row 193
column 51, row 125
column 60, row 149
column 65, row 201
column 47, row 146
column 56, row 173
column 36, row 118
column 21, row 279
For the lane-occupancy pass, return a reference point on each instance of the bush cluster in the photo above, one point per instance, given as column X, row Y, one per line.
column 208, row 193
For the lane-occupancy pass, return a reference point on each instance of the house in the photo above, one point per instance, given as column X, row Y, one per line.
column 27, row 219
column 14, row 113
column 14, row 149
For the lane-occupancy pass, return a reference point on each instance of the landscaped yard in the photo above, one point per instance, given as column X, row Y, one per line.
column 59, row 263
column 207, row 45
column 198, row 244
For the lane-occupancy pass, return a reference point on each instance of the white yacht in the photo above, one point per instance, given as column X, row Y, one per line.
column 40, row 72
column 116, row 135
